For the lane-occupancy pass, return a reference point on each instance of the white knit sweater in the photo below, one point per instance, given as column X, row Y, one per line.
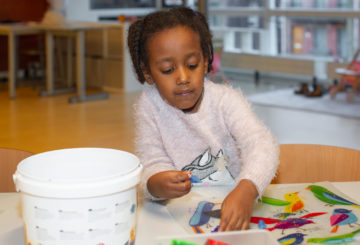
column 223, row 142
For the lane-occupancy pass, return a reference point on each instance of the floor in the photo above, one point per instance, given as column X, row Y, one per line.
column 296, row 126
column 39, row 124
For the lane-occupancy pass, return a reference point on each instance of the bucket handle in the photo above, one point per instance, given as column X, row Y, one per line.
column 15, row 177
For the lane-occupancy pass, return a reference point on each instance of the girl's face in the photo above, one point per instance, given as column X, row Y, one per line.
column 177, row 67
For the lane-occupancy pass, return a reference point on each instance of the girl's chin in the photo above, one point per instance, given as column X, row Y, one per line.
column 189, row 109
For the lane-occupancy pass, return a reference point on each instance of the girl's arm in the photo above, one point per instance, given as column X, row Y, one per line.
column 259, row 151
column 160, row 180
column 259, row 160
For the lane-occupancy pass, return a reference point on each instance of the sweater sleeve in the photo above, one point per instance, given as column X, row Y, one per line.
column 148, row 143
column 258, row 147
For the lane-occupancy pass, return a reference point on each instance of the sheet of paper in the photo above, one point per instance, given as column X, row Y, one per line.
column 317, row 213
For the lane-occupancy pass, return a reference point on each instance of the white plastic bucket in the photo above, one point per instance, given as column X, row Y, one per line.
column 82, row 196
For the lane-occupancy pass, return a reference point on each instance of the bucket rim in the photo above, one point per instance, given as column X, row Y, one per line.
column 25, row 161
column 107, row 174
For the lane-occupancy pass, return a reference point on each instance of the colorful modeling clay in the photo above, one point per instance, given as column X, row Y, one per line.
column 181, row 242
column 195, row 179
column 215, row 242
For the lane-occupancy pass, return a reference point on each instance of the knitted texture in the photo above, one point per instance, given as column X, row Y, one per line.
column 224, row 127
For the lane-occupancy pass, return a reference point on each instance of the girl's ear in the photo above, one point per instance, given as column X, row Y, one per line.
column 147, row 76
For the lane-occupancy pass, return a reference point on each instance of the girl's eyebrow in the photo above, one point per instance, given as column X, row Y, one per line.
column 168, row 59
column 196, row 54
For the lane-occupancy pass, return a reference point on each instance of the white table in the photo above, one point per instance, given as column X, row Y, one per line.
column 12, row 31
column 153, row 218
column 76, row 30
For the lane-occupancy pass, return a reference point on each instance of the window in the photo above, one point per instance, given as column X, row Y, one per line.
column 316, row 4
column 309, row 29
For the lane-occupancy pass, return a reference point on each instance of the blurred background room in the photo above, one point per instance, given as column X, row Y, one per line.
column 66, row 79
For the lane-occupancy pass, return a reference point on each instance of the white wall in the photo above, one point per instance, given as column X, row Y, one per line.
column 79, row 10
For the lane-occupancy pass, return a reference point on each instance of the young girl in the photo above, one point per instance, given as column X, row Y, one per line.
column 187, row 126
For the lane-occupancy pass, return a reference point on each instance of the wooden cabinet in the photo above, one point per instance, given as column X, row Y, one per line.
column 107, row 60
column 105, row 57
column 114, row 72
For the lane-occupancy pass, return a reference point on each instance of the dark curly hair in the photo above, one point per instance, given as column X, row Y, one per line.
column 142, row 29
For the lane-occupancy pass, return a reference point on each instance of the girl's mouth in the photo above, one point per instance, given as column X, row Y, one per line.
column 184, row 93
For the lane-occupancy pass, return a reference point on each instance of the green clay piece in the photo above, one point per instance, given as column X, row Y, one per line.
column 181, row 242
column 274, row 201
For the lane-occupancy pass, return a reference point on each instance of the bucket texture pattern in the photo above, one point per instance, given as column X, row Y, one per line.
column 63, row 203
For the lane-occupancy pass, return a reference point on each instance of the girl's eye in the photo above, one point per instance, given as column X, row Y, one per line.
column 168, row 71
column 193, row 67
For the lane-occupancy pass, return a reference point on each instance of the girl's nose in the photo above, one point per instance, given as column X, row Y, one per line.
column 183, row 76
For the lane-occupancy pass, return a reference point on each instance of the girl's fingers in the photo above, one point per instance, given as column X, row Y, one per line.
column 241, row 224
column 233, row 223
column 178, row 192
column 182, row 176
column 221, row 225
column 245, row 225
column 180, row 188
column 224, row 222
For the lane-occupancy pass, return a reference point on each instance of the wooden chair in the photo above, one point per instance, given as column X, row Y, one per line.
column 302, row 163
column 9, row 159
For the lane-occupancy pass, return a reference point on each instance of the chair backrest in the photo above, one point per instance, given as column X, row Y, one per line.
column 9, row 159
column 301, row 163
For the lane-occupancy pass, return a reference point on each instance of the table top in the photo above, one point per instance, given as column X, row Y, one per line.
column 73, row 26
column 18, row 28
column 36, row 27
column 153, row 218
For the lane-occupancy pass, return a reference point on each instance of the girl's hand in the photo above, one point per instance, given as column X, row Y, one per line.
column 237, row 207
column 169, row 184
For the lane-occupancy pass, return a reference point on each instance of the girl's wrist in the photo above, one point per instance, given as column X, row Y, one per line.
column 249, row 187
